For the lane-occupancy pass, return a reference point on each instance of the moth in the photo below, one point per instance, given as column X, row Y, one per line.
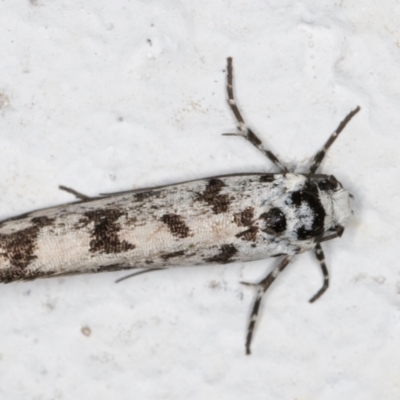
column 222, row 219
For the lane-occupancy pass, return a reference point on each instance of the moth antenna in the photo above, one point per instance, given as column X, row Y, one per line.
column 321, row 154
column 246, row 132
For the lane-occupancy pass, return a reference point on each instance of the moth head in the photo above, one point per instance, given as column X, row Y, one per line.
column 336, row 201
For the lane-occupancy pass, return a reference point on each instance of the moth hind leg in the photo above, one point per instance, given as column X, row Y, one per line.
column 262, row 287
column 246, row 132
column 145, row 271
column 77, row 194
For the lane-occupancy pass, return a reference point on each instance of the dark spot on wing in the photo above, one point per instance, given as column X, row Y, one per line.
column 111, row 267
column 267, row 178
column 172, row 255
column 145, row 195
column 13, row 274
column 211, row 195
column 19, row 247
column 274, row 221
column 249, row 235
column 245, row 217
column 309, row 199
column 131, row 221
column 42, row 221
column 176, row 225
column 226, row 252
column 104, row 233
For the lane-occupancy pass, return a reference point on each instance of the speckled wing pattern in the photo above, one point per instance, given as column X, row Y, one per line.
column 214, row 220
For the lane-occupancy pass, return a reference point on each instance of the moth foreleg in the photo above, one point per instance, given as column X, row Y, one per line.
column 262, row 287
column 321, row 258
column 246, row 132
column 338, row 233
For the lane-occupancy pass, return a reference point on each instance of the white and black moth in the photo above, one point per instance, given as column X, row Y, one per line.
column 223, row 219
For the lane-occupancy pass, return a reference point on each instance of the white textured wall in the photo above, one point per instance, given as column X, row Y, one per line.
column 110, row 95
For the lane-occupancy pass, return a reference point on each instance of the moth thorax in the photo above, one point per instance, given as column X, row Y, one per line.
column 337, row 203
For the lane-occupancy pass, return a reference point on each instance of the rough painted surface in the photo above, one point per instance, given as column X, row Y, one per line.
column 117, row 95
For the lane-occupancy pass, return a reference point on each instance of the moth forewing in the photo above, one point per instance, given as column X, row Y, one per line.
column 214, row 220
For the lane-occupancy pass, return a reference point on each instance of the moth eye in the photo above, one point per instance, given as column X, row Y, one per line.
column 328, row 184
column 274, row 221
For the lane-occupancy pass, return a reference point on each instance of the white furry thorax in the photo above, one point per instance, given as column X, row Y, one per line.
column 337, row 204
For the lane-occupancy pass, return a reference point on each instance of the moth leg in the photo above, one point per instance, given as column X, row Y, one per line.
column 338, row 233
column 246, row 132
column 317, row 176
column 262, row 287
column 321, row 258
column 78, row 195
column 321, row 154
column 137, row 273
